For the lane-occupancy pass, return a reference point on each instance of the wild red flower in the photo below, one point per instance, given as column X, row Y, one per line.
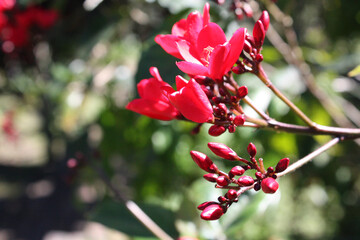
column 212, row 55
column 7, row 4
column 186, row 29
column 191, row 100
column 153, row 101
column 212, row 212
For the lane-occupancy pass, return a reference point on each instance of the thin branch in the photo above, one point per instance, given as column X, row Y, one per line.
column 132, row 206
column 310, row 156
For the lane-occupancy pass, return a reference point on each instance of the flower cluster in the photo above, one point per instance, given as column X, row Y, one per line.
column 16, row 25
column 235, row 180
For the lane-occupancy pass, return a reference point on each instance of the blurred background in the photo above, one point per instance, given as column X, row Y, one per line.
column 66, row 74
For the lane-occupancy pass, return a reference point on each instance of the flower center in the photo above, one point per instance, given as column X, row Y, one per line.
column 205, row 56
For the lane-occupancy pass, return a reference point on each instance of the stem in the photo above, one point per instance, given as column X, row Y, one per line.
column 263, row 77
column 132, row 207
column 310, row 156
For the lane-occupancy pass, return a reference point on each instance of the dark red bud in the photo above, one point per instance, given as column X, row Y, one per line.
column 222, row 199
column 265, row 19
column 222, row 181
column 238, row 69
column 231, row 117
column 259, row 34
column 270, row 170
column 250, row 39
column 205, row 204
column 259, row 175
column 234, row 99
column 247, row 47
column 251, row 150
column 222, row 92
column 216, row 130
column 222, row 107
column 212, row 212
column 259, row 57
column 239, row 120
column 239, row 13
column 207, row 91
column 269, row 185
column 245, row 181
column 231, row 194
column 211, row 177
column 200, row 79
column 242, row 92
column 203, row 161
column 237, row 171
column 282, row 165
column 257, row 187
column 216, row 100
column 231, row 128
column 223, row 151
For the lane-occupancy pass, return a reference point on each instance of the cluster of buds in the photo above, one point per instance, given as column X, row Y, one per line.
column 16, row 25
column 251, row 54
column 235, row 181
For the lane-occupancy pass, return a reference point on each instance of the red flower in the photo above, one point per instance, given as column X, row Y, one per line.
column 185, row 29
column 191, row 100
column 153, row 101
column 212, row 55
column 7, row 4
column 42, row 18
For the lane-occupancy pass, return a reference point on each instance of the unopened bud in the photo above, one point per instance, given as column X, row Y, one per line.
column 247, row 10
column 212, row 212
column 211, row 177
column 242, row 92
column 245, row 181
column 247, row 47
column 222, row 199
column 259, row 34
column 222, row 181
column 237, row 171
column 270, row 170
column 239, row 120
column 205, row 204
column 265, row 19
column 223, row 151
column 251, row 150
column 223, row 107
column 269, row 185
column 257, row 187
column 231, row 128
column 207, row 91
column 259, row 175
column 259, row 57
column 238, row 69
column 203, row 161
column 282, row 165
column 231, row 194
column 216, row 130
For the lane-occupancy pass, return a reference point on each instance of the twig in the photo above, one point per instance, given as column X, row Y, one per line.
column 132, row 206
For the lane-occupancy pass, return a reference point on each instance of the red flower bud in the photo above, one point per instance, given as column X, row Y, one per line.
column 216, row 130
column 203, row 161
column 231, row 194
column 270, row 170
column 247, row 10
column 222, row 181
column 212, row 212
column 223, row 107
column 247, row 46
column 251, row 150
column 231, row 128
column 242, row 92
column 259, row 34
column 211, row 177
column 205, row 204
column 269, row 185
column 282, row 165
column 237, row 171
column 259, row 57
column 238, row 69
column 239, row 120
column 265, row 19
column 245, row 181
column 222, row 199
column 223, row 151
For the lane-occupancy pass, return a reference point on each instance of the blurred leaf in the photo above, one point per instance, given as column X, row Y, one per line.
column 354, row 72
column 115, row 215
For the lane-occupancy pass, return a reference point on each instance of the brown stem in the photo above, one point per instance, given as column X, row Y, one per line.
column 263, row 77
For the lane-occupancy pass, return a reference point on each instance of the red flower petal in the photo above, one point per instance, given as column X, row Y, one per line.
column 184, row 49
column 192, row 102
column 236, row 44
column 206, row 14
column 211, row 35
column 180, row 82
column 179, row 28
column 153, row 109
column 192, row 68
column 152, row 89
column 217, row 63
column 168, row 43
